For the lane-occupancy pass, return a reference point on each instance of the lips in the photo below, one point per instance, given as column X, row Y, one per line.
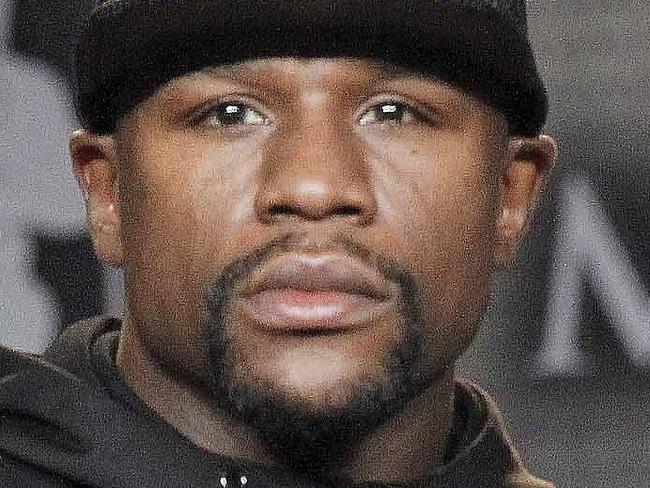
column 314, row 293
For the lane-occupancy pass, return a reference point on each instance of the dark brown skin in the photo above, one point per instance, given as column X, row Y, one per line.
column 173, row 198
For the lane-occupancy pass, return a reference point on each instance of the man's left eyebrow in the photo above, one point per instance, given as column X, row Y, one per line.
column 396, row 72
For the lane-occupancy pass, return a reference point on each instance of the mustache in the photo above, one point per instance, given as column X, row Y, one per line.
column 220, row 291
column 243, row 267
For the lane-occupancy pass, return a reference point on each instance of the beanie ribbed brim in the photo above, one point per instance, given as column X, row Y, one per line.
column 131, row 48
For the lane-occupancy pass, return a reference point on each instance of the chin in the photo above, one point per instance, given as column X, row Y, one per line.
column 322, row 384
column 315, row 375
column 314, row 390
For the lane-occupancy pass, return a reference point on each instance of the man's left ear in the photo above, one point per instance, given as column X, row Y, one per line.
column 527, row 164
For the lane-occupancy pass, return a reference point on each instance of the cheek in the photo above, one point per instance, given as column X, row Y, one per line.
column 176, row 232
column 441, row 201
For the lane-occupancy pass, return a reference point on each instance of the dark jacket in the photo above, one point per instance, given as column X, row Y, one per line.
column 67, row 420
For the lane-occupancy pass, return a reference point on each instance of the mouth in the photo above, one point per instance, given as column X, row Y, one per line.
column 315, row 294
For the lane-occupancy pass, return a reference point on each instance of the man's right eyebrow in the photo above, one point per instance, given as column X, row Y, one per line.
column 222, row 70
column 243, row 75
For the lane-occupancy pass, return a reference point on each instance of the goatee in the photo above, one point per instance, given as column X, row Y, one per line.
column 310, row 441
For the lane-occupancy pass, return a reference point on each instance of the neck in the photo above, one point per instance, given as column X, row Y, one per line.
column 408, row 447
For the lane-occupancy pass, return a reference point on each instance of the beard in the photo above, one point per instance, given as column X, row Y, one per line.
column 310, row 441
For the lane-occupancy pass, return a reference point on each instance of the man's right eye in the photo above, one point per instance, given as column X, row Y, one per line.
column 230, row 114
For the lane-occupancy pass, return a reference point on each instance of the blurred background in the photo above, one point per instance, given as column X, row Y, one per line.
column 565, row 347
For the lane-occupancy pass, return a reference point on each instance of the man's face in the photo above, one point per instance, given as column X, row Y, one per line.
column 308, row 221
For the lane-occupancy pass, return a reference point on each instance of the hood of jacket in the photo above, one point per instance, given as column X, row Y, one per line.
column 63, row 424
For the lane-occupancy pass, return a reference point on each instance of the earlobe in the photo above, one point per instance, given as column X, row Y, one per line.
column 95, row 168
column 526, row 167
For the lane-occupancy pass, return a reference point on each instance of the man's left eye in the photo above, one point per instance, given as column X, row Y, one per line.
column 390, row 112
column 231, row 114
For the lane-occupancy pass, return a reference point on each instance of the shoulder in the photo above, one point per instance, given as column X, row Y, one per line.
column 23, row 377
column 56, row 424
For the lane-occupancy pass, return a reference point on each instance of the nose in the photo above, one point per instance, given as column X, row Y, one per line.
column 313, row 170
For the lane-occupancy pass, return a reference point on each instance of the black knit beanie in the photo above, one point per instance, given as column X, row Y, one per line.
column 131, row 47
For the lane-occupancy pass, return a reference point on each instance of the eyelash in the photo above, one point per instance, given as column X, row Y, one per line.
column 422, row 115
column 200, row 115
